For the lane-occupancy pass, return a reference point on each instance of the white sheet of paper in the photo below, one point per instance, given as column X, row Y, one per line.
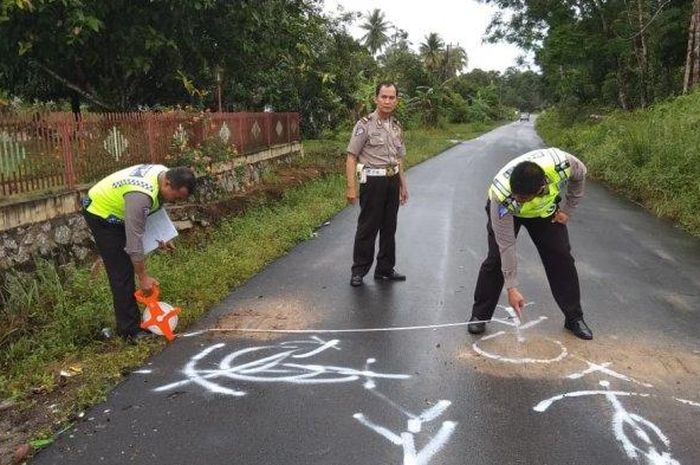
column 158, row 228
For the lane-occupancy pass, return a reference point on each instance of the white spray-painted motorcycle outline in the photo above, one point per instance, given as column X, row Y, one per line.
column 640, row 438
column 655, row 447
column 276, row 367
column 272, row 368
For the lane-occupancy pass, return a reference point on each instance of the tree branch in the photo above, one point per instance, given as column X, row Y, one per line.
column 74, row 87
column 641, row 31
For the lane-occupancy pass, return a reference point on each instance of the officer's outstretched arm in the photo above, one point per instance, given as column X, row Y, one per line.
column 136, row 208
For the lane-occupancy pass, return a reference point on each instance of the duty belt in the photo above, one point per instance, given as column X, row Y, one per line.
column 388, row 171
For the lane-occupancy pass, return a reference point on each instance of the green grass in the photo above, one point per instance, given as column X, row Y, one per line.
column 421, row 143
column 49, row 320
column 652, row 156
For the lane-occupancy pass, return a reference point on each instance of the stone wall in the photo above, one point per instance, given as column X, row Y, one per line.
column 51, row 226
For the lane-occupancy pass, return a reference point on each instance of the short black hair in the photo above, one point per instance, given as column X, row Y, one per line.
column 386, row 84
column 182, row 176
column 527, row 178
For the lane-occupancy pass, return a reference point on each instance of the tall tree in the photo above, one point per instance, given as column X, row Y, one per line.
column 599, row 52
column 403, row 66
column 124, row 55
column 377, row 31
column 692, row 62
column 432, row 51
column 454, row 61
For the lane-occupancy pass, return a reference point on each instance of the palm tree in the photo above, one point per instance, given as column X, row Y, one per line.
column 431, row 51
column 377, row 29
column 399, row 39
column 454, row 61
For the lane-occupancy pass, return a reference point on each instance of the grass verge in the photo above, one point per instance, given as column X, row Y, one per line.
column 652, row 156
column 54, row 366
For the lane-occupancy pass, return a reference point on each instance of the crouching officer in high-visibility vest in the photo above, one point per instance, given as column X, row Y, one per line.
column 527, row 192
column 116, row 209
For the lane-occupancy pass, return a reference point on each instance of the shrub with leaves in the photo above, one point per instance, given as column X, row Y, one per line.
column 201, row 159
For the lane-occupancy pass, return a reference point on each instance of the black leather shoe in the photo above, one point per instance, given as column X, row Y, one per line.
column 476, row 328
column 391, row 276
column 580, row 329
column 356, row 280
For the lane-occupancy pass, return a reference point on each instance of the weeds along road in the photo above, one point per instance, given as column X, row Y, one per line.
column 398, row 382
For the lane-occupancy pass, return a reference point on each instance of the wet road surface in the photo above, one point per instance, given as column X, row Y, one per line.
column 387, row 373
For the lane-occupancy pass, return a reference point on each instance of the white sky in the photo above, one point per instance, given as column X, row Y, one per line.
column 457, row 21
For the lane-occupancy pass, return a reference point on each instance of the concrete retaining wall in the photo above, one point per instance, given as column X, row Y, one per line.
column 51, row 226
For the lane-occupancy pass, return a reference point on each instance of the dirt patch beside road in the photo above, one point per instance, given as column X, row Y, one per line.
column 267, row 314
column 669, row 369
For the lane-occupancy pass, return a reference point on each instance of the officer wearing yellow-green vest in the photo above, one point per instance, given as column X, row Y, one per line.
column 527, row 192
column 116, row 209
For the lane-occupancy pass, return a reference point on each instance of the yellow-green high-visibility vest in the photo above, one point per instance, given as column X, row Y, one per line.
column 557, row 171
column 106, row 198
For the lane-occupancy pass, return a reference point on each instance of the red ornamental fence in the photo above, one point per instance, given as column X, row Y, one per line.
column 56, row 151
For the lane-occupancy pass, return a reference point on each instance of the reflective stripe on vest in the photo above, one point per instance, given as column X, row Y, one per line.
column 557, row 171
column 107, row 196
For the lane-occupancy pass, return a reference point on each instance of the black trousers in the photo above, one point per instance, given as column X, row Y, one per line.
column 379, row 207
column 552, row 242
column 111, row 240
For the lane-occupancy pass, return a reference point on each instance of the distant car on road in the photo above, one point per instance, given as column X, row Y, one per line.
column 524, row 116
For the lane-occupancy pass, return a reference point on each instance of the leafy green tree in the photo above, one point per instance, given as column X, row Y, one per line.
column 431, row 103
column 454, row 61
column 402, row 65
column 124, row 55
column 377, row 29
column 432, row 52
column 522, row 90
column 441, row 61
column 621, row 52
column 468, row 85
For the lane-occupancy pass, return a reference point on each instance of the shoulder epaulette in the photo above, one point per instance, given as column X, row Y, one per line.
column 365, row 119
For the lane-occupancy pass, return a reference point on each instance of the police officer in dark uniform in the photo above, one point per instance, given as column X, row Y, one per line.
column 374, row 161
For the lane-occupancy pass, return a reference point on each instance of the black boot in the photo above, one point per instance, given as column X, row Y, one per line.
column 476, row 328
column 391, row 276
column 580, row 329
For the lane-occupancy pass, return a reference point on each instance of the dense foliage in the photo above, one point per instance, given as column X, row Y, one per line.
column 650, row 155
column 284, row 55
column 621, row 53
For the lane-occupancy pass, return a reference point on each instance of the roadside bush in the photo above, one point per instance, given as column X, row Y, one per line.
column 459, row 109
column 201, row 156
column 429, row 103
column 652, row 156
column 478, row 112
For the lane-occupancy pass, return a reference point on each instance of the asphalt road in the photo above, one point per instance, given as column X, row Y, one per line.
column 426, row 391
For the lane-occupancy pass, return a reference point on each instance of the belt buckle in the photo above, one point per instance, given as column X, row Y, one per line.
column 390, row 170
